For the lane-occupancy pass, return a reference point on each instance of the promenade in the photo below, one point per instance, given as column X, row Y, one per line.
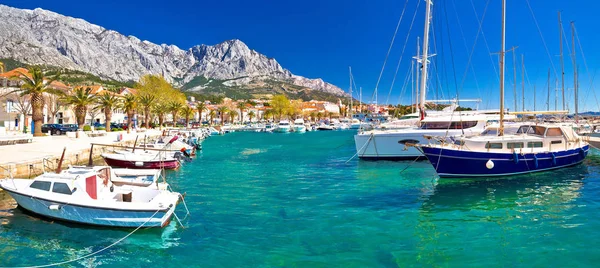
column 25, row 159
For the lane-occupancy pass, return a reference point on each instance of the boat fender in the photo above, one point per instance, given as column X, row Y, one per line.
column 112, row 188
column 54, row 207
column 489, row 164
column 184, row 152
column 139, row 164
column 535, row 160
column 553, row 159
column 515, row 157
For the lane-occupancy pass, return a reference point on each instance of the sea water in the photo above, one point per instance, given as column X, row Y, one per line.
column 299, row 200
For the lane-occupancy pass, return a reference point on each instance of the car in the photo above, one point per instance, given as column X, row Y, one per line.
column 56, row 129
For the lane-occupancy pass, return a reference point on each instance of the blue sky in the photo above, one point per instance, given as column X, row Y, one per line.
column 316, row 38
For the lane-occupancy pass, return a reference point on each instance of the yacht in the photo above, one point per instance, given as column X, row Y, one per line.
column 299, row 125
column 283, row 126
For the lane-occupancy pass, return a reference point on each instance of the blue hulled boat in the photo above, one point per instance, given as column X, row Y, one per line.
column 533, row 148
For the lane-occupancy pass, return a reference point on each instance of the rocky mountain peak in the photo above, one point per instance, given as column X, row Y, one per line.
column 44, row 37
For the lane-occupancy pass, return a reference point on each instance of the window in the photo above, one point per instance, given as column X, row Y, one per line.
column 41, row 185
column 61, row 188
column 490, row 132
column 493, row 145
column 533, row 130
column 435, row 125
column 463, row 124
column 555, row 142
column 554, row 132
column 535, row 144
column 514, row 145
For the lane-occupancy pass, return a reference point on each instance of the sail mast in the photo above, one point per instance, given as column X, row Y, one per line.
column 424, row 59
column 575, row 86
column 418, row 69
column 351, row 97
column 562, row 62
column 501, row 129
column 548, row 100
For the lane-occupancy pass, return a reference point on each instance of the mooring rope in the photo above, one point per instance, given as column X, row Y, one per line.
column 95, row 252
column 366, row 143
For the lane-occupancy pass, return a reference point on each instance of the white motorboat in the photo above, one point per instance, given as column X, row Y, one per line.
column 299, row 125
column 89, row 196
column 283, row 127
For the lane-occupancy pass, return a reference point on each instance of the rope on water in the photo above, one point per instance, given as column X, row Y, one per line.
column 98, row 251
column 366, row 143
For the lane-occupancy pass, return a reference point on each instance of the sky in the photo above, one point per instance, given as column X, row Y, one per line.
column 323, row 38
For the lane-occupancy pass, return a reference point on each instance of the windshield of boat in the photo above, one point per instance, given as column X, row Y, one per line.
column 532, row 130
column 408, row 117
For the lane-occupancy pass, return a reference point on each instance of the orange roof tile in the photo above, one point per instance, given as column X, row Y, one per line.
column 16, row 73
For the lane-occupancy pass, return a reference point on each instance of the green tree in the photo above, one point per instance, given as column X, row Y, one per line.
column 108, row 102
column 80, row 99
column 280, row 105
column 232, row 114
column 160, row 110
column 242, row 107
column 212, row 115
column 222, row 111
column 187, row 112
column 35, row 87
column 147, row 101
column 200, row 107
column 174, row 108
column 130, row 103
column 251, row 115
column 1, row 67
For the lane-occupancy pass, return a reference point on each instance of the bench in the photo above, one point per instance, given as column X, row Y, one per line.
column 15, row 140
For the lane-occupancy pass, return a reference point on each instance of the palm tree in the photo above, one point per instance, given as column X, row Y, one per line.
column 129, row 105
column 187, row 112
column 200, row 107
column 147, row 101
column 267, row 114
column 1, row 67
column 222, row 110
column 232, row 114
column 81, row 99
column 108, row 101
column 319, row 116
column 212, row 115
column 174, row 107
column 242, row 106
column 313, row 116
column 160, row 110
column 251, row 115
column 35, row 87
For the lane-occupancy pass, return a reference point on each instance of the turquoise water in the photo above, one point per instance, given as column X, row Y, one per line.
column 264, row 200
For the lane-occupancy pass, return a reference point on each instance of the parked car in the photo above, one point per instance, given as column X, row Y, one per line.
column 56, row 129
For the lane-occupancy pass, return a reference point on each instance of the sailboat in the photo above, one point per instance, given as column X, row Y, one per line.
column 535, row 147
column 394, row 144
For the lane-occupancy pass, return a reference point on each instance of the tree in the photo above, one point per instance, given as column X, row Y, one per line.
column 313, row 116
column 200, row 107
column 147, row 101
column 232, row 115
column 174, row 108
column 251, row 115
column 187, row 112
column 241, row 106
column 35, row 87
column 268, row 113
column 1, row 67
column 93, row 111
column 108, row 101
column 80, row 99
column 280, row 104
column 130, row 105
column 157, row 91
column 212, row 115
column 160, row 110
column 22, row 105
column 222, row 110
column 319, row 116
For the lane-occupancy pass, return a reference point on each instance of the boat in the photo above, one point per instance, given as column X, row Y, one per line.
column 299, row 125
column 534, row 148
column 89, row 196
column 393, row 144
column 324, row 126
column 283, row 127
column 355, row 124
column 135, row 177
column 141, row 160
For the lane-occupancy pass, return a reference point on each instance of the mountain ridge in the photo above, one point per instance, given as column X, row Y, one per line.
column 40, row 36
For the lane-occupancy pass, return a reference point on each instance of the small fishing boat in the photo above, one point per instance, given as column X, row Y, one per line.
column 141, row 160
column 283, row 127
column 299, row 125
column 88, row 195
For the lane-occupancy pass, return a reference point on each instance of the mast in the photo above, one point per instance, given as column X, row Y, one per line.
column 515, row 77
column 534, row 97
column 418, row 69
column 562, row 62
column 425, row 54
column 501, row 129
column 413, row 89
column 523, row 81
column 575, row 86
column 548, row 100
column 350, row 71
column 360, row 100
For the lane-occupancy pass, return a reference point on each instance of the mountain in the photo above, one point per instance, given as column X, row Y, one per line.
column 44, row 37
